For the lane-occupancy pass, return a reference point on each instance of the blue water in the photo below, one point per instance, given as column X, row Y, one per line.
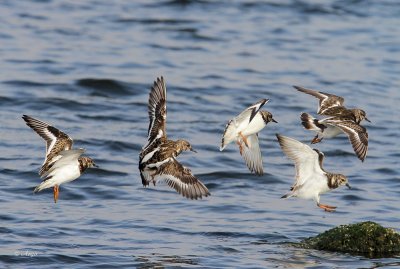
column 87, row 68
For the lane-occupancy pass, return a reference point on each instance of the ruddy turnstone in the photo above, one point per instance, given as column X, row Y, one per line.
column 311, row 179
column 62, row 164
column 157, row 160
column 339, row 120
column 244, row 129
column 332, row 105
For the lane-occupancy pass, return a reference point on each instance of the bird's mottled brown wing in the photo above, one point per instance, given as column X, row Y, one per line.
column 182, row 180
column 326, row 100
column 157, row 111
column 56, row 140
column 339, row 111
column 357, row 134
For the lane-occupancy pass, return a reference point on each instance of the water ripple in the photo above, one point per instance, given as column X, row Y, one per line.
column 87, row 69
column 105, row 87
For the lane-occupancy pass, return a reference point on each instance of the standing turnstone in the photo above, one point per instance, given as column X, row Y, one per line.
column 339, row 120
column 157, row 160
column 62, row 164
column 244, row 129
column 311, row 179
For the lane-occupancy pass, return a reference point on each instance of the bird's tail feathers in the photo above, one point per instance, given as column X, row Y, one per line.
column 229, row 135
column 44, row 185
column 311, row 123
column 287, row 195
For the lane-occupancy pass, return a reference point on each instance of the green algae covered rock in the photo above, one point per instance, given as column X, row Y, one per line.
column 365, row 238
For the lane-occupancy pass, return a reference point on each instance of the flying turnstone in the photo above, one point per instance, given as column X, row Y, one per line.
column 339, row 120
column 157, row 160
column 311, row 179
column 332, row 105
column 244, row 130
column 62, row 164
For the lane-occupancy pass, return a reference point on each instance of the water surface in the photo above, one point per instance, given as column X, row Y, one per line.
column 87, row 68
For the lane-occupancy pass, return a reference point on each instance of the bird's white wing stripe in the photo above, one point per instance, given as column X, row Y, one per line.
column 149, row 155
column 149, row 143
column 53, row 141
column 187, row 190
column 158, row 164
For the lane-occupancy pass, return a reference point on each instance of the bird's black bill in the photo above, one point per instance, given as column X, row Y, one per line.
column 274, row 121
column 348, row 185
column 193, row 150
column 95, row 165
column 367, row 120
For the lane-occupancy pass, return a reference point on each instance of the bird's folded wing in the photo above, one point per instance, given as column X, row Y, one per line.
column 339, row 111
column 248, row 114
column 65, row 157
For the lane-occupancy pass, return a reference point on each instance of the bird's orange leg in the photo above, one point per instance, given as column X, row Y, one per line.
column 240, row 147
column 153, row 181
column 55, row 193
column 327, row 207
column 152, row 178
column 244, row 139
column 316, row 140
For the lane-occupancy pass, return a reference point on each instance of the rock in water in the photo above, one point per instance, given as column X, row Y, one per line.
column 368, row 239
